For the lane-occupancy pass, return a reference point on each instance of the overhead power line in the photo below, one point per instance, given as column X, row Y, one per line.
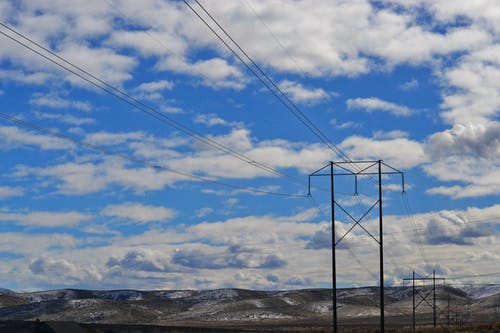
column 156, row 166
column 414, row 228
column 134, row 102
column 259, row 73
column 289, row 55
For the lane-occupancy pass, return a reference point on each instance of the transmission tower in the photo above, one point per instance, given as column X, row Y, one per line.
column 425, row 295
column 374, row 170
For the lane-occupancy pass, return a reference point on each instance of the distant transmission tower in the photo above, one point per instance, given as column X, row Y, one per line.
column 424, row 295
column 373, row 170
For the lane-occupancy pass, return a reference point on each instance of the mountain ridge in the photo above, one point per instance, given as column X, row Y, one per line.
column 242, row 307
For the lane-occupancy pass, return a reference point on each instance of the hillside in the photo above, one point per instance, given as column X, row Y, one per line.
column 239, row 308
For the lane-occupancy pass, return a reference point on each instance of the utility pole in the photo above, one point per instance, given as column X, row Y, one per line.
column 414, row 307
column 434, row 297
column 381, row 249
column 334, row 264
column 449, row 318
column 357, row 169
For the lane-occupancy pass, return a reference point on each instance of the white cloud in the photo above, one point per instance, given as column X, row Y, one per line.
column 46, row 219
column 256, row 229
column 108, row 65
column 484, row 12
column 216, row 72
column 83, row 178
column 112, row 139
column 413, row 84
column 13, row 137
column 399, row 152
column 57, row 102
column 92, row 174
column 65, row 118
column 8, row 191
column 25, row 76
column 148, row 42
column 474, row 89
column 153, row 90
column 47, row 269
column 300, row 94
column 139, row 212
column 213, row 120
column 344, row 125
column 141, row 260
column 396, row 134
column 467, row 154
column 481, row 140
column 29, row 244
column 351, row 34
column 202, row 212
column 376, row 104
column 155, row 86
column 470, row 176
column 248, row 247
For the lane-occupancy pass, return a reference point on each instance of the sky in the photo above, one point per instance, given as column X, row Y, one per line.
column 138, row 151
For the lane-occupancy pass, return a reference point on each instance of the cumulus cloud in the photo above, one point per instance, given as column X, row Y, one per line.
column 297, row 280
column 25, row 76
column 55, row 101
column 233, row 257
column 113, row 139
column 153, row 90
column 409, row 85
column 112, row 67
column 377, row 104
column 140, row 260
column 399, row 152
column 479, row 140
column 48, row 266
column 83, row 178
column 452, row 228
column 467, row 154
column 27, row 244
column 47, row 269
column 14, row 137
column 214, row 120
column 155, row 86
column 46, row 219
column 9, row 191
column 65, row 118
column 216, row 72
column 139, row 213
column 300, row 94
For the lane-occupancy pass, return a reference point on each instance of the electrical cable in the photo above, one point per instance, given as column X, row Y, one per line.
column 289, row 55
column 268, row 82
column 351, row 252
column 137, row 160
column 413, row 226
column 139, row 105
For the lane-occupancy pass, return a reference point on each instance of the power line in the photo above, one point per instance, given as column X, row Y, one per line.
column 108, row 151
column 474, row 275
column 413, row 226
column 137, row 104
column 301, row 70
column 267, row 81
column 351, row 252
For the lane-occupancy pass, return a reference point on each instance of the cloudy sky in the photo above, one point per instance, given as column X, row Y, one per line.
column 138, row 151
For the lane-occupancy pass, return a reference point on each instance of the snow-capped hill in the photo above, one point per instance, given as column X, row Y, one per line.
column 481, row 291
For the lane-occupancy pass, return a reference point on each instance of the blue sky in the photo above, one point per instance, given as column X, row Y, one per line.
column 414, row 83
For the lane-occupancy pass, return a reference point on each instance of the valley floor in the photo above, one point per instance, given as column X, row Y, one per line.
column 71, row 327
